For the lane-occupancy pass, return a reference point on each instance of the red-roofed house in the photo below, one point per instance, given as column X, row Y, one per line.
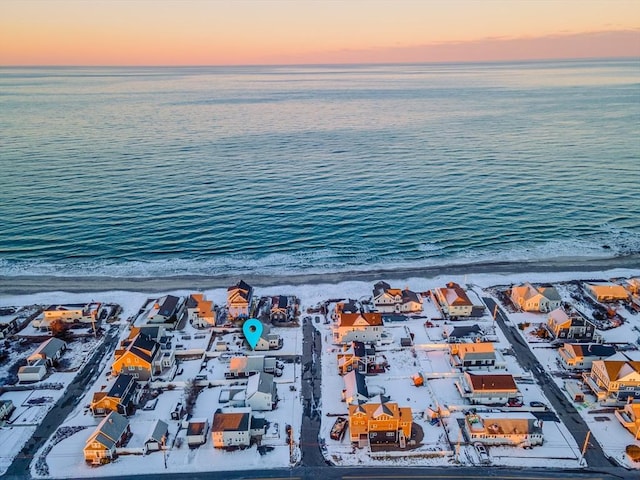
column 454, row 301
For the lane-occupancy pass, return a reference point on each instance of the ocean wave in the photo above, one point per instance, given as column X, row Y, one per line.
column 612, row 243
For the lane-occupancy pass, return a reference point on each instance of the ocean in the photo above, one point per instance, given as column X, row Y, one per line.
column 161, row 172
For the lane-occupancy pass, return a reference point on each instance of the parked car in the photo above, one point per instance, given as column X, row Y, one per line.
column 482, row 452
column 514, row 402
column 537, row 404
column 338, row 429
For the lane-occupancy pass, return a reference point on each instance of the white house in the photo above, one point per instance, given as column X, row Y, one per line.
column 157, row 438
column 504, row 429
column 236, row 427
column 543, row 299
column 200, row 311
column 267, row 340
column 394, row 300
column 33, row 373
column 49, row 351
column 261, row 392
column 488, row 389
column 358, row 327
column 454, row 301
column 166, row 310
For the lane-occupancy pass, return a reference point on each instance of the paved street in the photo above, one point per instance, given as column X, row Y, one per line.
column 566, row 411
column 311, row 378
column 63, row 407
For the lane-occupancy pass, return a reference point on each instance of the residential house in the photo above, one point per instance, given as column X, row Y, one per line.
column 8, row 325
column 563, row 326
column 454, row 301
column 614, row 381
column 157, row 333
column 122, row 397
column 363, row 327
column 197, row 429
column 236, row 427
column 580, row 356
column 472, row 355
column 544, row 298
column 157, row 438
column 355, row 388
column 167, row 310
column 394, row 300
column 357, row 356
column 379, row 423
column 71, row 313
column 504, row 429
column 50, row 351
column 261, row 392
column 113, row 432
column 6, row 407
column 281, row 311
column 462, row 333
column 33, row 372
column 632, row 285
column 268, row 340
column 246, row 365
column 142, row 358
column 606, row 292
column 200, row 311
column 239, row 298
column 488, row 389
column 629, row 417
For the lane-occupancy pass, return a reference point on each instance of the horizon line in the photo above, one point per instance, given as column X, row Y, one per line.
column 343, row 64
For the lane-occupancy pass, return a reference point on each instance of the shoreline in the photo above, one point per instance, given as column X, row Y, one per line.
column 26, row 284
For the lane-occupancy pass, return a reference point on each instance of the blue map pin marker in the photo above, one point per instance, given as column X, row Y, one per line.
column 252, row 329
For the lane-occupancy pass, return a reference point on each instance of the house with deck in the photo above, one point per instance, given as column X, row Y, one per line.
column 142, row 358
column 395, row 300
column 516, row 429
column 477, row 355
column 605, row 292
column 281, row 309
column 453, row 301
column 70, row 314
column 580, row 356
column 615, row 380
column 122, row 397
column 167, row 310
column 376, row 424
column 112, row 433
column 357, row 356
column 239, row 298
column 462, row 333
column 200, row 311
column 629, row 418
column 529, row 298
column 361, row 327
column 488, row 389
column 564, row 326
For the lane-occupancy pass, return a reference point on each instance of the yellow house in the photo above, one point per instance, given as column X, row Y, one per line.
column 629, row 417
column 141, row 358
column 544, row 298
column 358, row 327
column 70, row 313
column 607, row 291
column 454, row 301
column 614, row 381
column 380, row 423
column 470, row 355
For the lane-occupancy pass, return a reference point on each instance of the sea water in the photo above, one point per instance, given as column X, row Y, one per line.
column 273, row 170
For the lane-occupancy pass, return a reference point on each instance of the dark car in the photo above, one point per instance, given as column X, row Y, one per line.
column 537, row 404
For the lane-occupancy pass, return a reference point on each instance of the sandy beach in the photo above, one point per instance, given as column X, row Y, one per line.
column 18, row 285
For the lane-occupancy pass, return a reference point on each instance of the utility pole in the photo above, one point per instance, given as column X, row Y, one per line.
column 585, row 445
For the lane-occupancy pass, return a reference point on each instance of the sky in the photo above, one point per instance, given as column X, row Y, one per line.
column 250, row 32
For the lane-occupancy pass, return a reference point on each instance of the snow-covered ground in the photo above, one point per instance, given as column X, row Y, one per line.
column 440, row 441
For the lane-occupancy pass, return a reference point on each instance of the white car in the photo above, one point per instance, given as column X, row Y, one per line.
column 482, row 452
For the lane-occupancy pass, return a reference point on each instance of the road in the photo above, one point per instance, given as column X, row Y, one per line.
column 594, row 455
column 311, row 378
column 384, row 473
column 63, row 407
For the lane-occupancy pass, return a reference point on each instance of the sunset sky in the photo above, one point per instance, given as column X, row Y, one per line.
column 236, row 32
